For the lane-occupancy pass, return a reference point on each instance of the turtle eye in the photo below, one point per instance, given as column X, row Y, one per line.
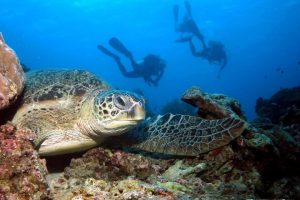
column 120, row 102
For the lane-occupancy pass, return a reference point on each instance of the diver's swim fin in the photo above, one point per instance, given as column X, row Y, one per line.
column 175, row 12
column 117, row 45
column 107, row 52
column 188, row 8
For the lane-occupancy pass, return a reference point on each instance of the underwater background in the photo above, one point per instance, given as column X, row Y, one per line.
column 261, row 38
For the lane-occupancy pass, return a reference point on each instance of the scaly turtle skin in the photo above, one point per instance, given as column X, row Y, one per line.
column 72, row 110
column 183, row 134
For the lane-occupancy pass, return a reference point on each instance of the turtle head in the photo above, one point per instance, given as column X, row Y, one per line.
column 115, row 112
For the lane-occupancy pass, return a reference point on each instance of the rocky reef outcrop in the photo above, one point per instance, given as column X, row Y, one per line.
column 212, row 106
column 22, row 173
column 282, row 107
column 279, row 120
column 113, row 174
column 11, row 75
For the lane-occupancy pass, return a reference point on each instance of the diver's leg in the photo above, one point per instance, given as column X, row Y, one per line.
column 118, row 61
column 192, row 25
column 195, row 30
column 201, row 38
column 107, row 52
column 117, row 44
column 134, row 65
column 193, row 49
column 125, row 73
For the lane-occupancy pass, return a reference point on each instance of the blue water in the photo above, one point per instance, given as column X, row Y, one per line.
column 259, row 37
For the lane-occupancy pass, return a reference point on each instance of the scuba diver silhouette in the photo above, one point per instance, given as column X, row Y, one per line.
column 214, row 52
column 188, row 25
column 151, row 68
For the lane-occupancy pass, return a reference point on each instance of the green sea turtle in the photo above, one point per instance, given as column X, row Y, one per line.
column 73, row 110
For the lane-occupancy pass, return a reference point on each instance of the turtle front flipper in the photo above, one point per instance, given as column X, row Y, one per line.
column 58, row 142
column 186, row 135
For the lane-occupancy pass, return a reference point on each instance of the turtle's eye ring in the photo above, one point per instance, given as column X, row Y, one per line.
column 120, row 102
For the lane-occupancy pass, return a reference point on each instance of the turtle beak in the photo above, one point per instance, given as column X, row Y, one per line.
column 138, row 112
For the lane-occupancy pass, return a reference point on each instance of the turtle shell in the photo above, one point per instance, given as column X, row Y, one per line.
column 53, row 98
column 59, row 85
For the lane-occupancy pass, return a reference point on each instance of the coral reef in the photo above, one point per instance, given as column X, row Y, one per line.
column 22, row 173
column 279, row 120
column 212, row 106
column 283, row 106
column 112, row 174
column 11, row 75
column 264, row 161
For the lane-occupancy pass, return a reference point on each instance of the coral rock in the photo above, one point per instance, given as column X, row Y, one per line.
column 180, row 171
column 11, row 75
column 212, row 106
column 106, row 174
column 259, row 141
column 283, row 106
column 22, row 173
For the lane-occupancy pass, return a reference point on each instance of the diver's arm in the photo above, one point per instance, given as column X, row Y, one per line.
column 149, row 80
column 201, row 38
column 132, row 74
column 117, row 59
column 158, row 77
column 134, row 64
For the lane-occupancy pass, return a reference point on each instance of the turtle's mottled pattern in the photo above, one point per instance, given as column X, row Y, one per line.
column 60, row 84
